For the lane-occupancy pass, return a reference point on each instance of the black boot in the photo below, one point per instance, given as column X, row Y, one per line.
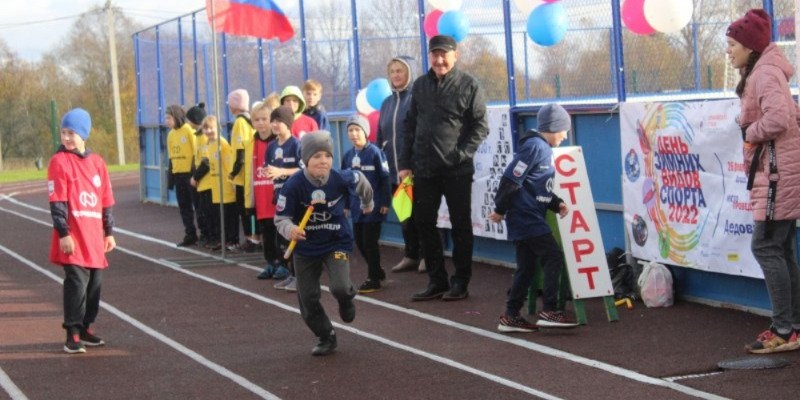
column 325, row 346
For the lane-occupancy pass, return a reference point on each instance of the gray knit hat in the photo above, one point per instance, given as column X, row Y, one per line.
column 359, row 121
column 553, row 118
column 314, row 142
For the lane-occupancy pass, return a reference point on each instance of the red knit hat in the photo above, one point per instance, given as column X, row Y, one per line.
column 753, row 31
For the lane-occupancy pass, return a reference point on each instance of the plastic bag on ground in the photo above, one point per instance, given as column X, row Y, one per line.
column 655, row 283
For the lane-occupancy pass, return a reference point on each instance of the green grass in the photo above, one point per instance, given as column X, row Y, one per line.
column 32, row 174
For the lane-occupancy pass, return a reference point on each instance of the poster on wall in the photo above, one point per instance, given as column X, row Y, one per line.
column 491, row 159
column 684, row 186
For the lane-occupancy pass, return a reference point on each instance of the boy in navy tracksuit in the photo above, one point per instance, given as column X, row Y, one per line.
column 523, row 198
column 327, row 240
column 371, row 161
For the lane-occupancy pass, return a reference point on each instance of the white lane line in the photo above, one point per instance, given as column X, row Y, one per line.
column 612, row 369
column 8, row 385
column 443, row 360
column 219, row 369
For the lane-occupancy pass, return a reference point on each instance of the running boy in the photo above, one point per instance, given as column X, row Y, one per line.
column 82, row 229
column 523, row 198
column 370, row 160
column 326, row 241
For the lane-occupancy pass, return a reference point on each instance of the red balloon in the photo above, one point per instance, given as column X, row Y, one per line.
column 633, row 17
column 430, row 25
column 373, row 125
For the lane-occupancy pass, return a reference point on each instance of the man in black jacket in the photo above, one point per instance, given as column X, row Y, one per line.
column 445, row 124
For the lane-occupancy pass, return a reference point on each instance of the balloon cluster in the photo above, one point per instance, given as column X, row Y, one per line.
column 644, row 17
column 369, row 100
column 547, row 20
column 446, row 19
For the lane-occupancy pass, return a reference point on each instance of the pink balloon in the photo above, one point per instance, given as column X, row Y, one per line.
column 373, row 118
column 633, row 17
column 430, row 26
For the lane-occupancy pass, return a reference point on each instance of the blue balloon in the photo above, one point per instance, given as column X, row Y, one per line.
column 547, row 24
column 453, row 23
column 377, row 91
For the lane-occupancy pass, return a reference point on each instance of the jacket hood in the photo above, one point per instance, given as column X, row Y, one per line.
column 772, row 55
column 409, row 63
column 294, row 91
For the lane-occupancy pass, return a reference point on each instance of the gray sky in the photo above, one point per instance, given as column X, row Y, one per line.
column 32, row 27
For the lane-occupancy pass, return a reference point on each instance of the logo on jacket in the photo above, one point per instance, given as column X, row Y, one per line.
column 519, row 169
column 87, row 199
column 96, row 181
column 318, row 197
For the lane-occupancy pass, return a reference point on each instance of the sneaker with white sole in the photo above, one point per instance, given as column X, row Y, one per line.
column 770, row 341
column 291, row 286
column 88, row 338
column 515, row 324
column 554, row 319
column 282, row 284
column 73, row 345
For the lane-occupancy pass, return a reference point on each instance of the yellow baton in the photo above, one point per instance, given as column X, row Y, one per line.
column 302, row 225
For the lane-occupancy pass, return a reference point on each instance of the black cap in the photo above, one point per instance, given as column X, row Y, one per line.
column 442, row 42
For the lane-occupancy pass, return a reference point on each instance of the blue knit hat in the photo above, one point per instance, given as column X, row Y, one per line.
column 553, row 118
column 78, row 121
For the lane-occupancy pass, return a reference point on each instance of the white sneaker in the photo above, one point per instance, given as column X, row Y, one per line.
column 282, row 284
column 291, row 286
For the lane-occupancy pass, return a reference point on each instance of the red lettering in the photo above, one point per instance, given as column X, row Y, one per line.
column 672, row 145
column 571, row 186
column 589, row 271
column 578, row 222
column 582, row 247
column 564, row 171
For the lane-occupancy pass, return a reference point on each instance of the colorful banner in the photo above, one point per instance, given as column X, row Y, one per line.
column 684, row 185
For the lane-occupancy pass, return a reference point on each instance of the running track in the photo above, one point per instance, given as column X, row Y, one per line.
column 185, row 324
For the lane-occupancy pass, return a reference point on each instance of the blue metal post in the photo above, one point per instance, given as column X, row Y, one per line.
column 273, row 76
column 770, row 9
column 194, row 59
column 527, row 76
column 696, row 54
column 261, row 68
column 512, row 86
column 356, row 51
column 619, row 57
column 180, row 61
column 423, row 44
column 160, row 74
column 138, row 67
column 303, row 44
column 225, row 87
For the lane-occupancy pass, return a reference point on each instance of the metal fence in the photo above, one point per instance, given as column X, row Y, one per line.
column 345, row 45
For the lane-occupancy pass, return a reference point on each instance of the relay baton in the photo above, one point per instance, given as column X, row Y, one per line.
column 302, row 225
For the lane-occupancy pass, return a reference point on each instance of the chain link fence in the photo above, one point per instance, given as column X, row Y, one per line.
column 346, row 44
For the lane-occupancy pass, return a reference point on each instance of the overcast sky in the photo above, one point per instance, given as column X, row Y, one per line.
column 32, row 27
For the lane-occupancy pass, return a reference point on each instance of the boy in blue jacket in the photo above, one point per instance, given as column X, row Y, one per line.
column 371, row 161
column 523, row 198
column 327, row 239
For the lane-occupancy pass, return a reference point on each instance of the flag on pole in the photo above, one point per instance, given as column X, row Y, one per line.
column 257, row 18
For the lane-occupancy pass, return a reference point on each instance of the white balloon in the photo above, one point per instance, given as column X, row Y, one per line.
column 526, row 6
column 362, row 104
column 446, row 5
column 668, row 16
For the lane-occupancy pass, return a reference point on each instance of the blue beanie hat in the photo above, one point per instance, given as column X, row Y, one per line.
column 553, row 118
column 79, row 121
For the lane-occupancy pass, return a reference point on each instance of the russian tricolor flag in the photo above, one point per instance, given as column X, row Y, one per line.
column 257, row 18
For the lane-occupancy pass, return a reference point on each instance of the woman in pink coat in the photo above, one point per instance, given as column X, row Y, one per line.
column 771, row 137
